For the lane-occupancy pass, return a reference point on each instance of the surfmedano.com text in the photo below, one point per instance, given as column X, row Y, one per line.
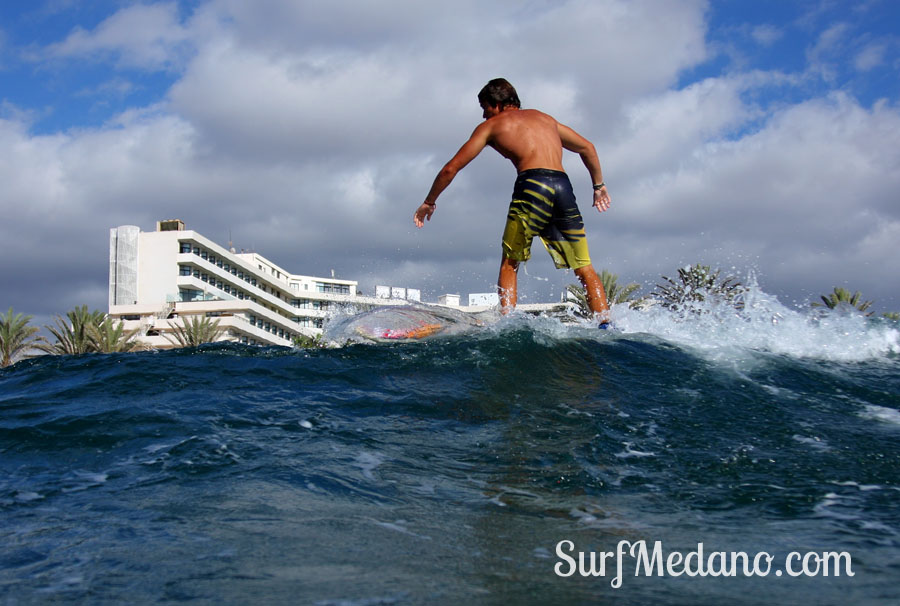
column 654, row 562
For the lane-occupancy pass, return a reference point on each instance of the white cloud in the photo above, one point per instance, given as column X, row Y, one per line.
column 766, row 35
column 871, row 56
column 142, row 36
column 818, row 180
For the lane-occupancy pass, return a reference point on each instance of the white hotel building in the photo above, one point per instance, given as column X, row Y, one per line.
column 158, row 279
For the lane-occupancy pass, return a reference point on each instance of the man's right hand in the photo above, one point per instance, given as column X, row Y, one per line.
column 423, row 213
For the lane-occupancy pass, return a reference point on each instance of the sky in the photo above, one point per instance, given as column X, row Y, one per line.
column 761, row 138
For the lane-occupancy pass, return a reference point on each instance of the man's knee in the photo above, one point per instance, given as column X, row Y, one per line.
column 586, row 272
column 509, row 264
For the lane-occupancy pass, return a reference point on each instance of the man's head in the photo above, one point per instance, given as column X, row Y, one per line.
column 498, row 93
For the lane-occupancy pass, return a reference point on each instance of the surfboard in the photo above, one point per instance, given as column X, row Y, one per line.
column 392, row 324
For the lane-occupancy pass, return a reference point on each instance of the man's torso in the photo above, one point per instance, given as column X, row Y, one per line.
column 528, row 138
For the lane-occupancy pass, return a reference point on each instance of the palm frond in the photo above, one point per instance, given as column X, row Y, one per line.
column 16, row 337
column 194, row 331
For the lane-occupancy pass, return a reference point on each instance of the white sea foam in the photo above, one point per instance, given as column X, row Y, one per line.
column 368, row 462
column 814, row 442
column 630, row 452
column 880, row 413
column 766, row 325
column 721, row 332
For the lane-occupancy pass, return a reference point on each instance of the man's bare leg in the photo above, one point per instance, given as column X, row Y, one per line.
column 593, row 288
column 507, row 284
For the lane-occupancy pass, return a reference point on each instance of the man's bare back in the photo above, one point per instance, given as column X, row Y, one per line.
column 527, row 137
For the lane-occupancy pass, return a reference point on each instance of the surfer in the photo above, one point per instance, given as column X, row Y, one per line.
column 543, row 203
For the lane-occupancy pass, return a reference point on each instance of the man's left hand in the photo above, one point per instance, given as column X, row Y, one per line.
column 601, row 199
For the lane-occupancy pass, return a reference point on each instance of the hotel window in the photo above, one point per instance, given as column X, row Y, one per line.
column 203, row 255
column 212, row 259
column 190, row 294
column 196, row 273
column 184, row 270
column 196, row 250
column 185, row 247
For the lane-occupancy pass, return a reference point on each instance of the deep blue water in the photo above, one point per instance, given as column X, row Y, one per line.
column 448, row 471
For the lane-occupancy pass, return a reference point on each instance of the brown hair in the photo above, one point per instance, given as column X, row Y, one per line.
column 499, row 92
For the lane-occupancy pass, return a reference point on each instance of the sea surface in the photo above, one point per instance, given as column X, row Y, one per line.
column 461, row 470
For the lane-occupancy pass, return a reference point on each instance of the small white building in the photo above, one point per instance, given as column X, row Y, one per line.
column 484, row 299
column 398, row 292
column 156, row 279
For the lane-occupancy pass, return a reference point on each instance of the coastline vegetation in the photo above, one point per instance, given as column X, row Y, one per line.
column 696, row 284
column 615, row 294
column 73, row 332
column 194, row 331
column 16, row 337
column 83, row 331
column 842, row 297
column 307, row 342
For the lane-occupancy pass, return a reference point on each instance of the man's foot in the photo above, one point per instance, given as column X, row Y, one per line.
column 605, row 326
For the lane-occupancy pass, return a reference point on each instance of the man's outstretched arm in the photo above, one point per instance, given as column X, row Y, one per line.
column 445, row 176
column 572, row 141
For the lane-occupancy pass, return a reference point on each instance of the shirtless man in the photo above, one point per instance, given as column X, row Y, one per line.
column 543, row 203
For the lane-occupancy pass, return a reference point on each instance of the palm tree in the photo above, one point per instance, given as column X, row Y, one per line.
column 614, row 293
column 16, row 337
column 696, row 283
column 841, row 297
column 576, row 294
column 108, row 337
column 72, row 333
column 195, row 331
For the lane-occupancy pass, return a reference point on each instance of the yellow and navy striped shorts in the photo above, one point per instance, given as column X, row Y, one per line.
column 543, row 204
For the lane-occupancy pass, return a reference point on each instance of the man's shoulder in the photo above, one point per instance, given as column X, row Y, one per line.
column 537, row 114
column 522, row 116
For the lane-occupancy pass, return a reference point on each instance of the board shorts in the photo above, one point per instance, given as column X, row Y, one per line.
column 543, row 204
